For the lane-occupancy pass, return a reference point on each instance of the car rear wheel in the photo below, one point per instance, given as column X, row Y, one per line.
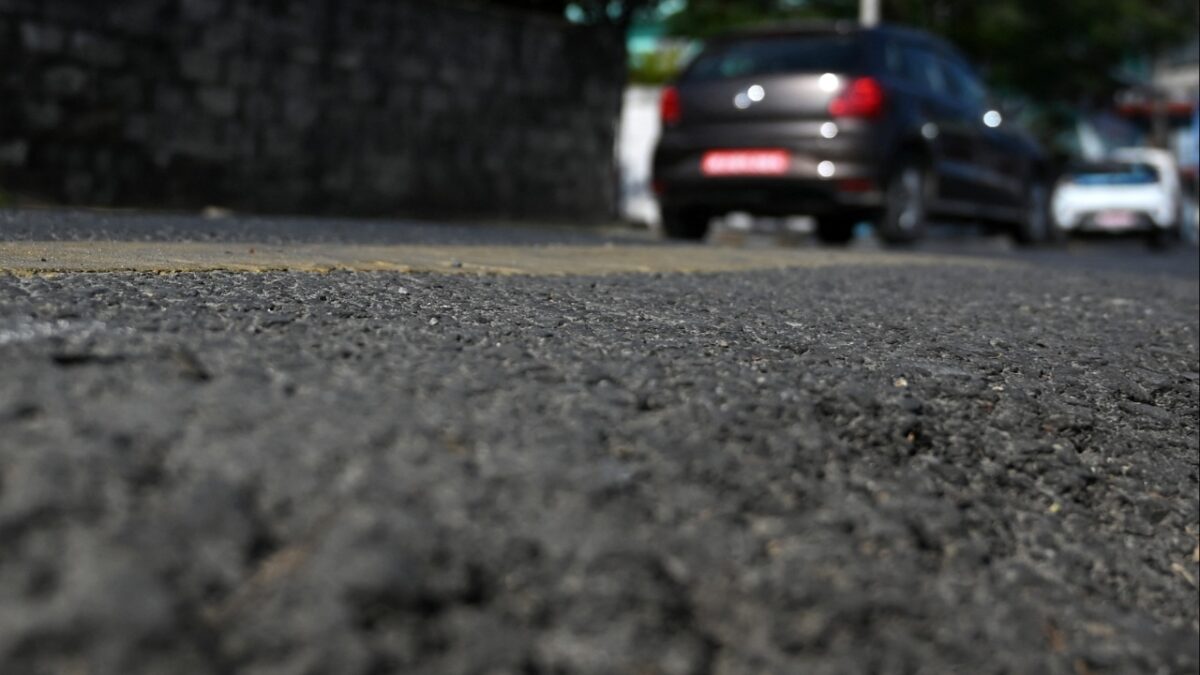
column 835, row 229
column 905, row 207
column 1162, row 238
column 685, row 224
column 1036, row 226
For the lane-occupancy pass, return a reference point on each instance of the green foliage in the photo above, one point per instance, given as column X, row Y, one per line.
column 659, row 66
column 619, row 13
column 1066, row 51
column 1050, row 50
column 706, row 18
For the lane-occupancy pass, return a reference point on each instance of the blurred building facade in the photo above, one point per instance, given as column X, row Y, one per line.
column 320, row 106
column 1163, row 104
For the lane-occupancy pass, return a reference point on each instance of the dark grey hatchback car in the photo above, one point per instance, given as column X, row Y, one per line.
column 847, row 124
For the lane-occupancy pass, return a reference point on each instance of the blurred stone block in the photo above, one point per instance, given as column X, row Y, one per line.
column 64, row 81
column 350, row 59
column 306, row 54
column 14, row 153
column 97, row 51
column 258, row 109
column 363, row 88
column 137, row 128
column 360, row 106
column 218, row 101
column 38, row 37
column 169, row 101
column 125, row 91
column 41, row 116
column 200, row 66
column 244, row 72
column 223, row 37
column 78, row 186
column 70, row 13
column 201, row 10
column 136, row 18
column 293, row 78
column 300, row 113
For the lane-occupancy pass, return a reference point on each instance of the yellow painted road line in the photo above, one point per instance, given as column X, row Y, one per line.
column 50, row 257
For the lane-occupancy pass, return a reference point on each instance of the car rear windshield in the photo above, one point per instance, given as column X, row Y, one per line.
column 772, row 55
column 1116, row 174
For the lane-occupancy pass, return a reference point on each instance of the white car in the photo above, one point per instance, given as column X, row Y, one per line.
column 1137, row 190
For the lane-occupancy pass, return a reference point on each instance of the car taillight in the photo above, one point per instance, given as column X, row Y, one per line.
column 863, row 97
column 670, row 107
column 856, row 185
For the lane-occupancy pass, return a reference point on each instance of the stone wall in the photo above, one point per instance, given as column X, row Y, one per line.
column 318, row 106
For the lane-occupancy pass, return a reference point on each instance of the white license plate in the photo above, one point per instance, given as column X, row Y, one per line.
column 769, row 162
column 1116, row 219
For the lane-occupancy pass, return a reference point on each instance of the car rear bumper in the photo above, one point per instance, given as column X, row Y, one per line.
column 1094, row 209
column 823, row 175
column 772, row 196
column 1094, row 222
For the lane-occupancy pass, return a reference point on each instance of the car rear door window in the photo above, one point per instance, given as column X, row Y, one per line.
column 893, row 56
column 1116, row 173
column 777, row 55
column 964, row 86
column 924, row 69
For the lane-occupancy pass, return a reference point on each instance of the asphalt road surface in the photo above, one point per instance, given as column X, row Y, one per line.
column 732, row 459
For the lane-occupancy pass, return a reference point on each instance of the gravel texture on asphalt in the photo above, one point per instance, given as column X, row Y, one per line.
column 852, row 470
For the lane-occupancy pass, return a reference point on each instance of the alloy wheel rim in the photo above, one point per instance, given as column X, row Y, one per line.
column 911, row 192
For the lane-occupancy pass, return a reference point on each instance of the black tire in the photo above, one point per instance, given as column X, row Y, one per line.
column 906, row 202
column 685, row 224
column 837, row 230
column 1163, row 238
column 1035, row 226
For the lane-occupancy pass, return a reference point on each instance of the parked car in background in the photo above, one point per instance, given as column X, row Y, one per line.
column 844, row 123
column 1136, row 190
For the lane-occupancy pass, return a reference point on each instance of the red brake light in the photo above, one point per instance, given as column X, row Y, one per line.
column 670, row 107
column 856, row 185
column 863, row 97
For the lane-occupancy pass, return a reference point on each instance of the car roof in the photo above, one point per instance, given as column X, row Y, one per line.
column 809, row 28
column 1157, row 156
column 1115, row 165
column 845, row 27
